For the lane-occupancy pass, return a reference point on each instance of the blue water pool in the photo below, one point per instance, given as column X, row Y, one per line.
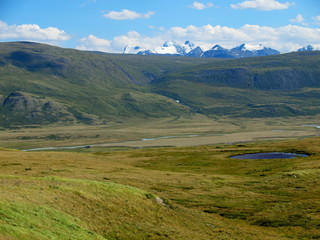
column 269, row 155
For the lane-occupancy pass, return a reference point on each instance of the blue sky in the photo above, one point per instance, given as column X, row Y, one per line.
column 110, row 25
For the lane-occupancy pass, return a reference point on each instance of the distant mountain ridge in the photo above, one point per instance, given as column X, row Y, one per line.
column 189, row 49
column 309, row 48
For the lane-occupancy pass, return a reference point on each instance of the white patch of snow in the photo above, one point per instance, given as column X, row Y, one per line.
column 132, row 50
column 188, row 46
column 165, row 50
column 252, row 47
column 168, row 44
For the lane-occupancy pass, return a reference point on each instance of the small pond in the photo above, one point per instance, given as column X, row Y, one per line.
column 269, row 155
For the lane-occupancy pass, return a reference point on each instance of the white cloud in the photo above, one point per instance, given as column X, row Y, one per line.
column 299, row 19
column 31, row 32
column 200, row 6
column 92, row 43
column 118, row 43
column 317, row 19
column 125, row 14
column 263, row 5
column 285, row 38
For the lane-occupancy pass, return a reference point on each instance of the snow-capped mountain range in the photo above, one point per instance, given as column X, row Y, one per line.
column 191, row 50
column 169, row 47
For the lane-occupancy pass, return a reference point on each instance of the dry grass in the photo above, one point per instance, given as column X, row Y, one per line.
column 131, row 133
column 209, row 194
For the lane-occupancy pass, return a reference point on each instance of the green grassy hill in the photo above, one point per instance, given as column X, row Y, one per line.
column 89, row 86
column 42, row 84
column 66, row 208
column 273, row 86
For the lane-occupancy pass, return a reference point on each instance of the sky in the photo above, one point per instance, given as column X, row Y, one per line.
column 110, row 25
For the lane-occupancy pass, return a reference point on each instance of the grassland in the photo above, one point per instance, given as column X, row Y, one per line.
column 161, row 131
column 161, row 193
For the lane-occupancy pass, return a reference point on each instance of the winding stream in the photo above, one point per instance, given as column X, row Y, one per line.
column 102, row 144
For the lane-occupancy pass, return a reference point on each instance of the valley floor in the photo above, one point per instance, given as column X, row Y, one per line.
column 193, row 130
column 190, row 192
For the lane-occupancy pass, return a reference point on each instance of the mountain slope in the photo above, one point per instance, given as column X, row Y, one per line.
column 88, row 86
column 282, row 85
column 41, row 84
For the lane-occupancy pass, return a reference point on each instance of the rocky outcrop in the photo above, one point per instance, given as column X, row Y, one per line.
column 23, row 108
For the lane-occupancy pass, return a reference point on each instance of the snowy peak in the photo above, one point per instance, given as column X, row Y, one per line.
column 217, row 52
column 179, row 49
column 189, row 44
column 132, row 50
column 196, row 52
column 241, row 51
column 189, row 49
column 241, row 47
column 249, row 50
column 169, row 44
column 168, row 47
column 255, row 47
column 217, row 48
column 248, row 47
